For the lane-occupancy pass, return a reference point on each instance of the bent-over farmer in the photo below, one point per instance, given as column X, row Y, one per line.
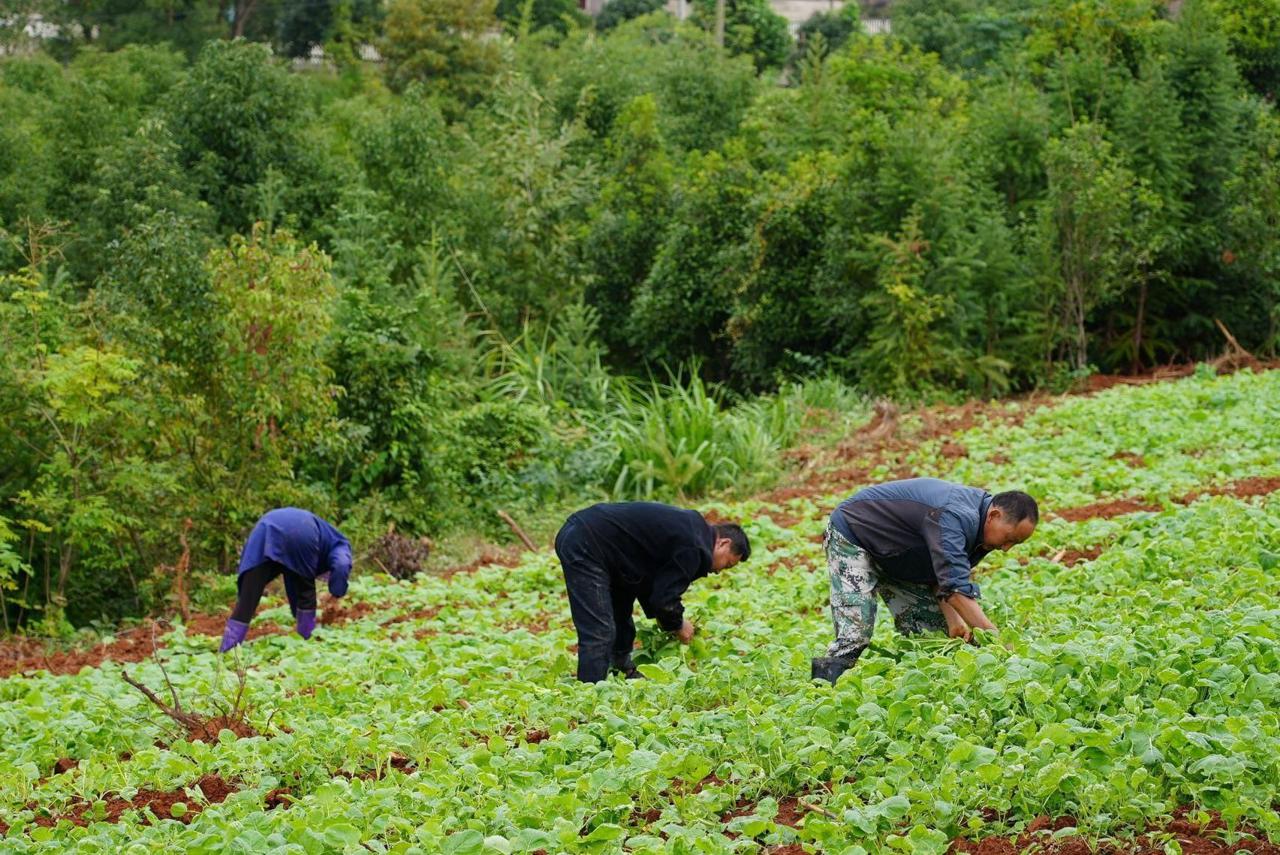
column 299, row 546
column 914, row 544
column 616, row 554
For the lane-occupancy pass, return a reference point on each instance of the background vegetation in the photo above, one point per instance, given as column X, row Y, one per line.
column 524, row 262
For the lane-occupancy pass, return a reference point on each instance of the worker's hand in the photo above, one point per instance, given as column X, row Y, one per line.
column 685, row 632
column 956, row 626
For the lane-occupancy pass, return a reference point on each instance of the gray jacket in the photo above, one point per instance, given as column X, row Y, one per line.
column 922, row 530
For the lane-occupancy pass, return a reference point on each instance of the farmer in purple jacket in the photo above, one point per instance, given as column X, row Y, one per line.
column 299, row 546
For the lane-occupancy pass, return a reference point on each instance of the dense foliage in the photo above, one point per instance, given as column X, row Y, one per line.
column 447, row 720
column 484, row 248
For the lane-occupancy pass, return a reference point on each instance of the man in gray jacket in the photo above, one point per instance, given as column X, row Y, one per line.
column 914, row 544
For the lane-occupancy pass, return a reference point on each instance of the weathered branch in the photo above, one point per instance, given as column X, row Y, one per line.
column 528, row 542
column 185, row 719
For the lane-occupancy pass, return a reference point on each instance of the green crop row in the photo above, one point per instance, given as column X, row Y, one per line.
column 1121, row 687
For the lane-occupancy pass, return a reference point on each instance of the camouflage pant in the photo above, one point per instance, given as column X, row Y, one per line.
column 855, row 583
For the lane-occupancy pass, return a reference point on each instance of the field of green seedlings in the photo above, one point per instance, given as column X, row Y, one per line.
column 1137, row 675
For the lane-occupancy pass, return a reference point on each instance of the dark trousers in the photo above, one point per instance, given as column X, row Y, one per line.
column 251, row 583
column 601, row 607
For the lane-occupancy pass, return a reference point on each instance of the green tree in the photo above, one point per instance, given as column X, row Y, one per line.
column 701, row 93
column 270, row 400
column 531, row 187
column 1255, row 227
column 446, row 45
column 680, row 311
column 1090, row 231
column 751, row 29
column 239, row 120
column 905, row 354
column 1253, row 28
column 834, row 29
column 557, row 15
column 617, row 11
column 628, row 220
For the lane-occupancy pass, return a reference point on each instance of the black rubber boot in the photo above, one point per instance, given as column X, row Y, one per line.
column 830, row 668
column 628, row 669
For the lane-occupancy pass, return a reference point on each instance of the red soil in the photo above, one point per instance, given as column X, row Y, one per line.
column 1243, row 489
column 536, row 736
column 214, row 788
column 281, row 797
column 791, row 562
column 1106, row 509
column 1071, row 557
column 508, row 556
column 337, row 611
column 417, row 614
column 646, row 817
column 1136, row 461
column 20, row 655
column 1194, row 839
column 538, row 623
column 208, row 730
column 398, row 762
column 214, row 624
column 1222, row 365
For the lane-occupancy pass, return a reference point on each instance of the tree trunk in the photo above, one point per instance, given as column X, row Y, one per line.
column 720, row 22
column 1139, row 319
column 243, row 12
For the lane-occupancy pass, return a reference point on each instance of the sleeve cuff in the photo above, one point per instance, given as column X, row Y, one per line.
column 671, row 621
column 338, row 585
column 969, row 589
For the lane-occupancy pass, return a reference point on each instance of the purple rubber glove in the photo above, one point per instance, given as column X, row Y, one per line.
column 233, row 634
column 306, row 622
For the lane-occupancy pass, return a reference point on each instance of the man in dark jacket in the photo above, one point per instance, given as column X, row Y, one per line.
column 616, row 554
column 914, row 544
column 300, row 547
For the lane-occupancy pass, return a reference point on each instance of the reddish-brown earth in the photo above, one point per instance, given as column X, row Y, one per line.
column 1195, row 839
column 1071, row 557
column 417, row 614
column 1245, row 488
column 335, row 611
column 208, row 729
column 508, row 556
column 1135, row 461
column 1105, row 509
column 214, row 624
column 1242, row 489
column 20, row 655
column 279, row 797
column 80, row 812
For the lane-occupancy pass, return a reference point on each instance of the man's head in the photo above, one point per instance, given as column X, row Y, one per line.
column 1011, row 519
column 731, row 546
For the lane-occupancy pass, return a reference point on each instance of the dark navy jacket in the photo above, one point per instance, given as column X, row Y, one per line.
column 921, row 530
column 303, row 543
column 651, row 551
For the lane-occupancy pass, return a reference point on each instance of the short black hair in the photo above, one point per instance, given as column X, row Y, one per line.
column 1017, row 506
column 737, row 539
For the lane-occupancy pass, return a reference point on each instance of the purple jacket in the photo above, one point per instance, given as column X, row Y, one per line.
column 303, row 543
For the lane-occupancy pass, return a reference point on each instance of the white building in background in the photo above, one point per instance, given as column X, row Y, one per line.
column 795, row 11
